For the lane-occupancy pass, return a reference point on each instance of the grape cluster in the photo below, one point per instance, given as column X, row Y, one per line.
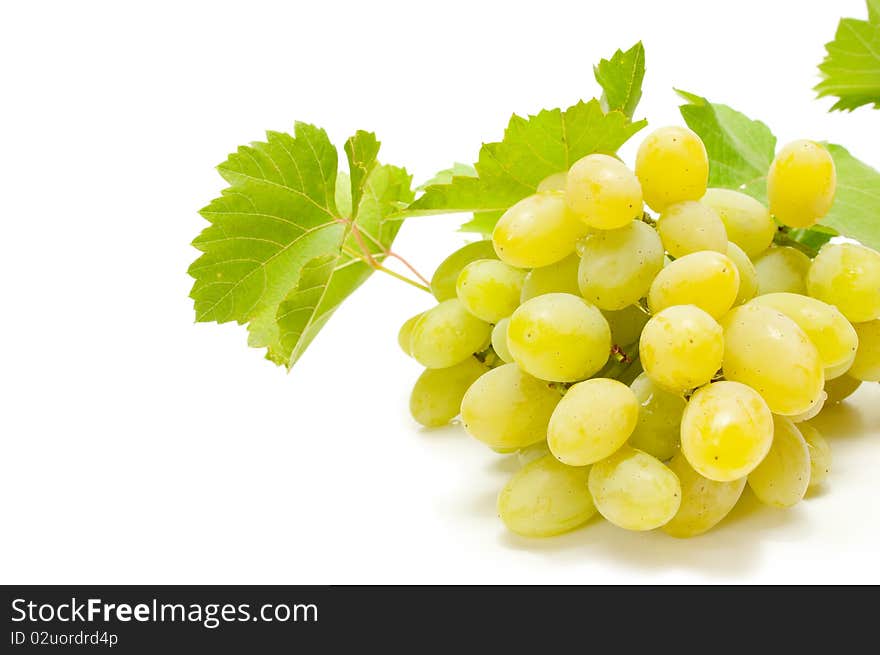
column 650, row 365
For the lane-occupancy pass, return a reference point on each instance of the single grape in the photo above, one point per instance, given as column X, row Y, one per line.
column 704, row 502
column 499, row 341
column 820, row 453
column 537, row 231
column 634, row 490
column 706, row 279
column 782, row 477
column 617, row 266
column 436, row 396
column 561, row 277
column 603, row 192
column 691, row 226
column 404, row 336
column 626, row 324
column 866, row 366
column 490, row 289
column 546, row 498
column 531, row 453
column 555, row 182
column 508, row 409
column 827, row 328
column 801, row 183
column 448, row 334
column 847, row 275
column 726, row 430
column 813, row 410
column 446, row 276
column 748, row 277
column 681, row 348
column 841, row 388
column 782, row 269
column 748, row 223
column 672, row 166
column 594, row 418
column 559, row 337
column 766, row 350
column 658, row 429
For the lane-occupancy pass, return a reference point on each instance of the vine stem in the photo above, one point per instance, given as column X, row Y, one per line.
column 372, row 263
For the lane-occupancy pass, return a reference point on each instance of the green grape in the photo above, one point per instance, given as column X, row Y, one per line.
column 749, row 224
column 812, row 411
column 847, row 275
column 827, row 328
column 841, row 388
column 404, row 336
column 508, row 409
column 820, row 453
column 555, row 182
column 782, row 477
column 546, row 498
column 672, row 166
column 537, row 231
column 499, row 341
column 782, row 269
column 766, row 350
column 603, row 192
column 704, row 502
column 593, row 419
column 681, row 348
column 866, row 366
column 801, row 183
column 529, row 454
column 559, row 337
column 706, row 279
column 436, row 396
column 448, row 334
column 634, row 490
column 446, row 276
column 561, row 277
column 748, row 277
column 617, row 266
column 490, row 289
column 691, row 226
column 626, row 324
column 726, row 430
column 658, row 429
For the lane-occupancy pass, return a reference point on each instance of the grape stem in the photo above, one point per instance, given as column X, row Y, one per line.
column 783, row 238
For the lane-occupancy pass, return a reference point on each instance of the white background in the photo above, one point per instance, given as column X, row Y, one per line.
column 139, row 447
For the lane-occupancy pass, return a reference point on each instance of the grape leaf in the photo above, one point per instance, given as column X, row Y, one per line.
column 851, row 69
column 621, row 79
column 278, row 216
column 445, row 176
column 740, row 152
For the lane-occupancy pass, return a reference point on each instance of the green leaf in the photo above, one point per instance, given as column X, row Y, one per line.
column 740, row 152
column 445, row 176
column 532, row 149
column 621, row 79
column 278, row 226
column 851, row 69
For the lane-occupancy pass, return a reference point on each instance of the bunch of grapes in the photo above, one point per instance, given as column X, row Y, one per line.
column 650, row 365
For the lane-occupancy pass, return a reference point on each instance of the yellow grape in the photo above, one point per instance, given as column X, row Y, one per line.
column 726, row 430
column 555, row 182
column 634, row 490
column 782, row 477
column 561, row 277
column 404, row 336
column 782, row 269
column 446, row 276
column 820, row 453
column 828, row 329
column 559, row 337
column 841, row 388
column 626, row 324
column 603, row 192
column 546, row 498
column 801, row 183
column 436, row 396
column 706, row 279
column 704, row 502
column 593, row 419
column 499, row 341
column 537, row 231
column 490, row 289
column 672, row 166
column 681, row 348
column 658, row 429
column 847, row 275
column 748, row 277
column 617, row 266
column 866, row 366
column 508, row 409
column 766, row 350
column 691, row 226
column 448, row 334
column 749, row 224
